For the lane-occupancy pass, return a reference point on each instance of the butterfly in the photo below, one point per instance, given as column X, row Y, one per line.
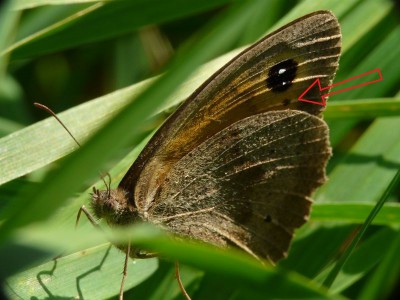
column 238, row 161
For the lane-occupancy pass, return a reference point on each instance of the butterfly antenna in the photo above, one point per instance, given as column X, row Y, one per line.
column 108, row 185
column 83, row 209
column 45, row 108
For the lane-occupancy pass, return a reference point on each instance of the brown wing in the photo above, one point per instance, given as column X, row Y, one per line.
column 249, row 185
column 270, row 75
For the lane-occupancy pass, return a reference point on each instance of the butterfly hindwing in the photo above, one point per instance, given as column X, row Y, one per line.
column 248, row 185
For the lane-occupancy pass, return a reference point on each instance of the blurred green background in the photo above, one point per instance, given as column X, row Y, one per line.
column 90, row 61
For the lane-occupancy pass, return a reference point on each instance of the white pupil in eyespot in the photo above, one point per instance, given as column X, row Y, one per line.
column 281, row 76
column 281, row 71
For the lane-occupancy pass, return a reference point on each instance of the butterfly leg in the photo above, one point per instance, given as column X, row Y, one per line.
column 128, row 250
column 88, row 215
column 178, row 278
column 124, row 272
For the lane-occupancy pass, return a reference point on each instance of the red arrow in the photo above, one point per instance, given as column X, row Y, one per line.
column 324, row 96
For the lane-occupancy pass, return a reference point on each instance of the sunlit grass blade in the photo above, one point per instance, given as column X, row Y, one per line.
column 78, row 274
column 227, row 265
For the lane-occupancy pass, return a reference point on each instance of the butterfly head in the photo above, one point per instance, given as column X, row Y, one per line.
column 113, row 206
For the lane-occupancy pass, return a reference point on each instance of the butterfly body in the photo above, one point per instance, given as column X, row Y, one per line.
column 236, row 164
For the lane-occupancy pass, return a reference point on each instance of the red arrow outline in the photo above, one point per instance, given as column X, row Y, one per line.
column 323, row 97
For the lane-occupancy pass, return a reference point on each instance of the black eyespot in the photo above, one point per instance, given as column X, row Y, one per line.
column 267, row 219
column 280, row 76
column 286, row 102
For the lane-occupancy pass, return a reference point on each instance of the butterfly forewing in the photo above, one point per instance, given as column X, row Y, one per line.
column 269, row 75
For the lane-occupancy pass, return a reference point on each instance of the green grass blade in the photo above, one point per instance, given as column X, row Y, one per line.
column 345, row 256
column 387, row 275
column 363, row 109
column 235, row 266
column 355, row 213
column 60, row 185
column 370, row 152
column 70, row 279
column 126, row 16
column 363, row 259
